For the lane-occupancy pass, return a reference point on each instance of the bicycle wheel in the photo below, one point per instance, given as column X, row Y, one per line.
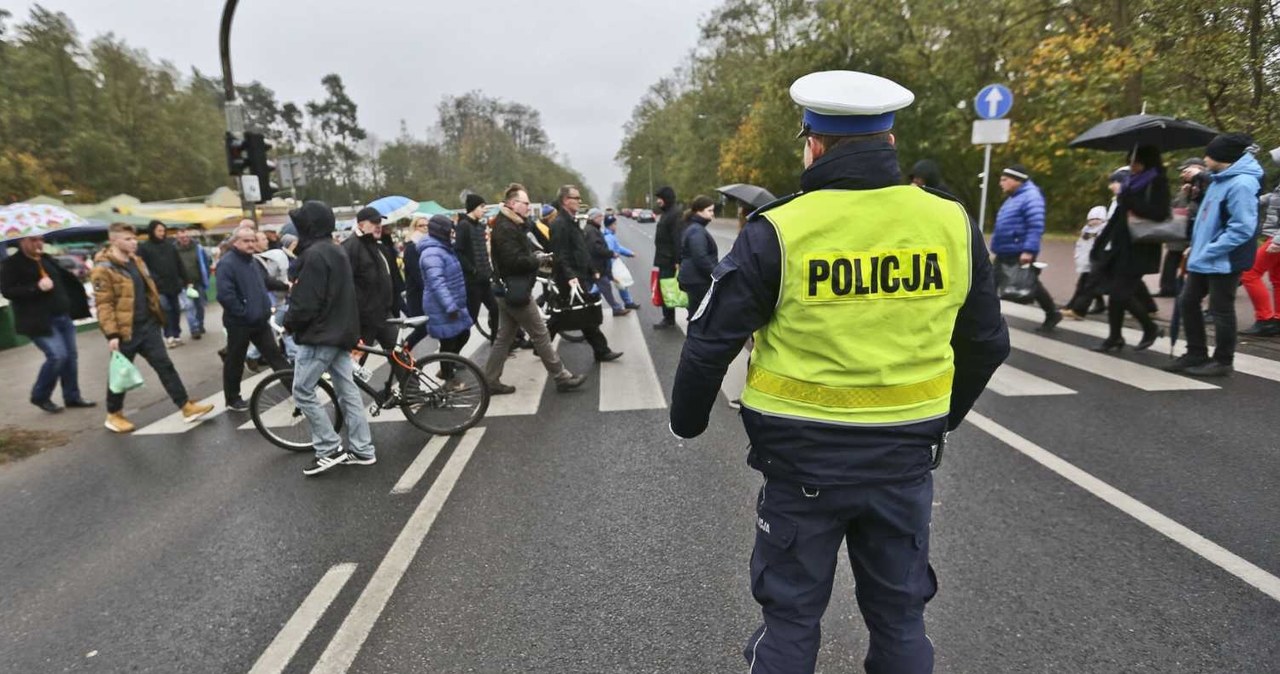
column 445, row 406
column 278, row 418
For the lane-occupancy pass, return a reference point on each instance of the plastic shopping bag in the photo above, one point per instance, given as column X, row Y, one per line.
column 672, row 296
column 655, row 291
column 1017, row 282
column 123, row 375
column 621, row 275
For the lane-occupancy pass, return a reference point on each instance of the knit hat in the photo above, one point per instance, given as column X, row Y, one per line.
column 440, row 226
column 288, row 240
column 591, row 214
column 1097, row 213
column 1017, row 172
column 473, row 202
column 1192, row 161
column 609, row 220
column 1228, row 148
column 548, row 209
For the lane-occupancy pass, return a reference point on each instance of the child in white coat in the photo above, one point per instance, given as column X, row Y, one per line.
column 1085, row 284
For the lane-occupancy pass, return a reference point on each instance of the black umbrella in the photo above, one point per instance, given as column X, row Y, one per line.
column 753, row 196
column 1125, row 133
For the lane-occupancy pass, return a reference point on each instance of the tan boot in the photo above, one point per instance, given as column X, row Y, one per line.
column 116, row 423
column 192, row 411
column 1072, row 315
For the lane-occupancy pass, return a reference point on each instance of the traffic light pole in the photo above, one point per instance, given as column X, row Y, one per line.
column 234, row 109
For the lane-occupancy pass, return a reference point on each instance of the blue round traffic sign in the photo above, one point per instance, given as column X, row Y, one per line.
column 993, row 102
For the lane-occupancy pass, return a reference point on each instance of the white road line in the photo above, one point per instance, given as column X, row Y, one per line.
column 1014, row 383
column 294, row 632
column 1116, row 369
column 631, row 382
column 735, row 378
column 419, row 467
column 353, row 632
column 174, row 422
column 1252, row 365
column 1214, row 553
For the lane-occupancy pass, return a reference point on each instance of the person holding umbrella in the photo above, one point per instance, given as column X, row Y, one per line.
column 1121, row 261
column 46, row 299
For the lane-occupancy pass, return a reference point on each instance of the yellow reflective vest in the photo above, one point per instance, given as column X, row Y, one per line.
column 872, row 281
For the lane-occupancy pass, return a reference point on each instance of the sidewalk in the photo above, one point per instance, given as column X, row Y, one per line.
column 197, row 363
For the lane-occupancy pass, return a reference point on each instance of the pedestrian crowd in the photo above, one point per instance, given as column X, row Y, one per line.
column 305, row 299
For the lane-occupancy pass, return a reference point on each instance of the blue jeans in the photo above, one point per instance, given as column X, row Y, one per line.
column 312, row 362
column 625, row 296
column 59, row 349
column 171, row 304
column 195, row 310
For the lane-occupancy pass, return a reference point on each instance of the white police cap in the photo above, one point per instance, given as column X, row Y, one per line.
column 848, row 103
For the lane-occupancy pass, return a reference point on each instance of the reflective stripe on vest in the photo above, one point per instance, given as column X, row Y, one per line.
column 872, row 282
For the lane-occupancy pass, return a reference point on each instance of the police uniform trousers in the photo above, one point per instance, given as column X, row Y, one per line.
column 799, row 531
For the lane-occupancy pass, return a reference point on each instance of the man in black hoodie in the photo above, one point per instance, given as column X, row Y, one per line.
column 324, row 319
column 166, row 268
column 666, row 245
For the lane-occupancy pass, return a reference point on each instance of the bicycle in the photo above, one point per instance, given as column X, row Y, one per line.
column 448, row 401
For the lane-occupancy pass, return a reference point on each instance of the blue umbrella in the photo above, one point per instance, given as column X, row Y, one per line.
column 394, row 207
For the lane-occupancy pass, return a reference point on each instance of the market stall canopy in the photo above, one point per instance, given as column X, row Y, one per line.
column 432, row 208
column 135, row 221
column 205, row 217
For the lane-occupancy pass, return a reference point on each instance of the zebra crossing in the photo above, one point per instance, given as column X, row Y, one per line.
column 632, row 382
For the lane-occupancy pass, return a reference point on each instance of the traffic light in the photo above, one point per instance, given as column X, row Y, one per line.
column 237, row 157
column 259, row 165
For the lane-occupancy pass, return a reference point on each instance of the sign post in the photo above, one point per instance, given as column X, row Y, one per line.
column 992, row 104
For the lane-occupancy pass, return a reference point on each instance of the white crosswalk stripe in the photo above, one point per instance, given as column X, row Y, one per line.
column 1116, row 369
column 1251, row 365
column 631, row 382
column 174, row 423
column 1010, row 382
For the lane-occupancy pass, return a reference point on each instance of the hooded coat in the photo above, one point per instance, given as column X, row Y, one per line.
column 322, row 306
column 928, row 172
column 666, row 235
column 163, row 262
column 444, row 288
column 1233, row 192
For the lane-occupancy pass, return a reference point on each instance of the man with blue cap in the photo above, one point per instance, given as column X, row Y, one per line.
column 876, row 328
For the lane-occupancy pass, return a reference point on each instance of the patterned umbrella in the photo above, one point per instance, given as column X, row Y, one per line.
column 19, row 221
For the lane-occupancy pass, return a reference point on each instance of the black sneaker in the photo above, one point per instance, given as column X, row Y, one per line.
column 1184, row 362
column 1210, row 369
column 1050, row 321
column 570, row 383
column 663, row 325
column 606, row 357
column 238, row 406
column 357, row 460
column 321, row 464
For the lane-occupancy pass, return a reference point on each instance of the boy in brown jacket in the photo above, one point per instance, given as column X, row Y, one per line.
column 130, row 316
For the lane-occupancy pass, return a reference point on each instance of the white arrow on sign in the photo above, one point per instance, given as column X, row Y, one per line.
column 993, row 100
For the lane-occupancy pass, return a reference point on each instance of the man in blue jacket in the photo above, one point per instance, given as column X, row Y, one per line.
column 1016, row 237
column 1224, row 243
column 246, row 308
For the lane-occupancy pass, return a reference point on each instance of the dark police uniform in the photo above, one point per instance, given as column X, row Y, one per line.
column 876, row 327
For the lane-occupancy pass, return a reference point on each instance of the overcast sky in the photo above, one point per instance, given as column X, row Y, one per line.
column 583, row 63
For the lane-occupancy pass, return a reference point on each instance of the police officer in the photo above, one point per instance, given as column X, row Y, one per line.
column 876, row 327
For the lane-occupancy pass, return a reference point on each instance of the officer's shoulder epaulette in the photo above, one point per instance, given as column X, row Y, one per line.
column 759, row 212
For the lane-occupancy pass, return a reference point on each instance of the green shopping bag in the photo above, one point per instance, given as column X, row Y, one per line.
column 122, row 374
column 672, row 296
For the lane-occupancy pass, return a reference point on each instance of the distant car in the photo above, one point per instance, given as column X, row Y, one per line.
column 626, row 212
column 645, row 215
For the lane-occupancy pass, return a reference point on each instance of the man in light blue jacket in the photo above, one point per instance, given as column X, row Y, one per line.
column 1224, row 242
column 1016, row 237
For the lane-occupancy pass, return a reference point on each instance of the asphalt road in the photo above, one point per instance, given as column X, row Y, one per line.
column 1127, row 525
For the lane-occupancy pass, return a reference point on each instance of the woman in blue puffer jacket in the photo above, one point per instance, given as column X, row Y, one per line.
column 444, row 289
